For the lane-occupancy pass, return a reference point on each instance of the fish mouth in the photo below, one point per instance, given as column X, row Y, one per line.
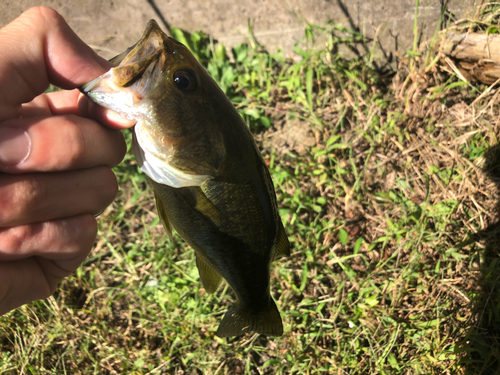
column 123, row 87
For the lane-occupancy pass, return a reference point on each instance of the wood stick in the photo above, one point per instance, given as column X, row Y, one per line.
column 477, row 56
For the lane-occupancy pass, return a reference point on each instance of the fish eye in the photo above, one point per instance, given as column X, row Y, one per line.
column 185, row 80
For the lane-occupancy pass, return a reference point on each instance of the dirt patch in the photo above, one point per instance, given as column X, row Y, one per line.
column 289, row 135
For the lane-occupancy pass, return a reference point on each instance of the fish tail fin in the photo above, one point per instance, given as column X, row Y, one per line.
column 238, row 321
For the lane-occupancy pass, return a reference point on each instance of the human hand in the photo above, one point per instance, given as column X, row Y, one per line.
column 55, row 161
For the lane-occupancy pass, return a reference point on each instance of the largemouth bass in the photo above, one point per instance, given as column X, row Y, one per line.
column 209, row 179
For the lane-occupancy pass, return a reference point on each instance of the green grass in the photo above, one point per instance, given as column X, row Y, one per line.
column 387, row 183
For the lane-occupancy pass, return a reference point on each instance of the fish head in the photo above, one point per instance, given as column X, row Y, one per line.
column 157, row 80
column 160, row 84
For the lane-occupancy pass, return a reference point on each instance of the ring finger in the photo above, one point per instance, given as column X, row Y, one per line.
column 37, row 197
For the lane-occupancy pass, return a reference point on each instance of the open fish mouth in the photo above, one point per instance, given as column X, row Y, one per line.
column 139, row 68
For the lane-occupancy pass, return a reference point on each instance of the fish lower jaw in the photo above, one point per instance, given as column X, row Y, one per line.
column 123, row 100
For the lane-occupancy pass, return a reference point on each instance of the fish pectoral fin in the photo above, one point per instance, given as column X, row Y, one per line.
column 282, row 245
column 209, row 210
column 209, row 277
column 136, row 149
column 238, row 321
column 162, row 213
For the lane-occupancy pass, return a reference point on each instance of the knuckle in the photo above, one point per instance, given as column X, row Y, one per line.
column 40, row 15
column 19, row 198
column 112, row 186
column 30, row 195
column 88, row 230
column 48, row 14
column 48, row 290
column 75, row 141
column 108, row 188
column 7, row 205
column 13, row 240
column 80, row 231
column 120, row 146
column 68, row 237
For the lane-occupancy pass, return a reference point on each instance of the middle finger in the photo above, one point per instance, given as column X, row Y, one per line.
column 72, row 102
column 57, row 143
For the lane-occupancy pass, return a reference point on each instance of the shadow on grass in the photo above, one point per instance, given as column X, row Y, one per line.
column 482, row 342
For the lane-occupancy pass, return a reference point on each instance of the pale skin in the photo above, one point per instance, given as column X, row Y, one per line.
column 56, row 155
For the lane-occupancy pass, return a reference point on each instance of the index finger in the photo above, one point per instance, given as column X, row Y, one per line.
column 73, row 103
column 39, row 48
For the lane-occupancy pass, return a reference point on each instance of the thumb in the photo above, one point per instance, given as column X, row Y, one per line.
column 39, row 48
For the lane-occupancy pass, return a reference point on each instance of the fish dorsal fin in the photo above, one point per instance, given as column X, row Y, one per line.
column 162, row 213
column 209, row 277
column 208, row 209
column 282, row 244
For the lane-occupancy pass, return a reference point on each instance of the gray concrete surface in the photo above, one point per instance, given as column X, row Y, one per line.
column 111, row 26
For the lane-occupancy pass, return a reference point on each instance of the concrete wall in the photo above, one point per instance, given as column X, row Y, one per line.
column 111, row 26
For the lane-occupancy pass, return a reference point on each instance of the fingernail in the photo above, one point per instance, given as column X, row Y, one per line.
column 15, row 146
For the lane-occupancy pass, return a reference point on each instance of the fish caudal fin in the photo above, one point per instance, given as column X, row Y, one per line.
column 238, row 321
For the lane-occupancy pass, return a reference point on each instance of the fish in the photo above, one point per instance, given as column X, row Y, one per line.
column 210, row 181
